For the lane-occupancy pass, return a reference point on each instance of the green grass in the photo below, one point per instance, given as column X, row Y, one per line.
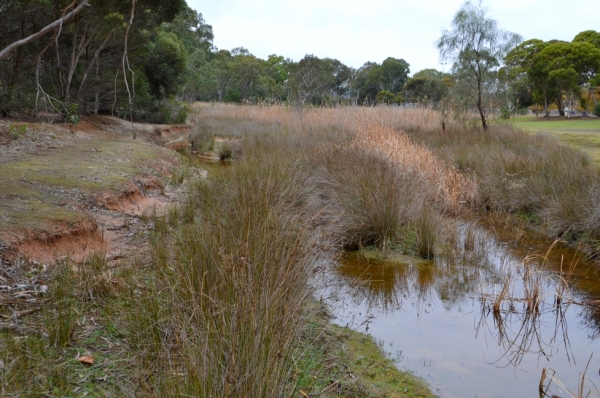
column 579, row 133
column 340, row 362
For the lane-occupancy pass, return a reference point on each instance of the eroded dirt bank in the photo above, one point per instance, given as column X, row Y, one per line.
column 72, row 191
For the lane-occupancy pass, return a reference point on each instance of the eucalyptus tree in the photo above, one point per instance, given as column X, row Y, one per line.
column 426, row 87
column 556, row 69
column 591, row 75
column 313, row 79
column 373, row 78
column 525, row 64
column 476, row 46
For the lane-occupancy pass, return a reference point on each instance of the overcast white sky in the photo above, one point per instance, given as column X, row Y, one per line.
column 357, row 31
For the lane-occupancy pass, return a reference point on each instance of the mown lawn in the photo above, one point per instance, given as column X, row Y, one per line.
column 580, row 133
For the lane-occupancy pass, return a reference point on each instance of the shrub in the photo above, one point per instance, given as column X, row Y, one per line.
column 202, row 139
column 225, row 151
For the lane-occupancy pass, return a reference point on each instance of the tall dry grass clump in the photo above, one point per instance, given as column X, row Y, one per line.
column 451, row 190
column 380, row 186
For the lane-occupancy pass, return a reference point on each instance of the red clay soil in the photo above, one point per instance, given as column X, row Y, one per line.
column 107, row 228
column 112, row 222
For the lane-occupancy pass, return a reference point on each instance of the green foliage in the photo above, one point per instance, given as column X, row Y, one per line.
column 165, row 63
column 233, row 95
column 596, row 110
column 168, row 112
column 426, row 87
column 70, row 113
column 313, row 78
column 385, row 97
column 372, row 78
column 556, row 69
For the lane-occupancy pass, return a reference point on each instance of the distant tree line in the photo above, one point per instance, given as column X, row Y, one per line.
column 143, row 59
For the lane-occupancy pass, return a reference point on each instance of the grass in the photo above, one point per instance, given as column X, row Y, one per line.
column 579, row 133
column 342, row 362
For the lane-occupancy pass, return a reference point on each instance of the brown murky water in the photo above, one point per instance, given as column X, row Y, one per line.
column 438, row 318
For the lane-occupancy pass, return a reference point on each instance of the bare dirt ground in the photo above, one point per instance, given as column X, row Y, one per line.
column 67, row 192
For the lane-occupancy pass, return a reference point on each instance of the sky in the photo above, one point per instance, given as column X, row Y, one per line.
column 357, row 31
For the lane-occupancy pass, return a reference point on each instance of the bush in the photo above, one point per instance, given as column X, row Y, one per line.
column 168, row 112
column 596, row 110
column 225, row 151
column 202, row 140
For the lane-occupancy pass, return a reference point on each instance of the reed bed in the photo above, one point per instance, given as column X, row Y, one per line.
column 452, row 190
column 554, row 187
column 224, row 309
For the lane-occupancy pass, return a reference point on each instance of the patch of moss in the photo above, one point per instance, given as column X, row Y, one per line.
column 340, row 362
column 391, row 256
column 38, row 188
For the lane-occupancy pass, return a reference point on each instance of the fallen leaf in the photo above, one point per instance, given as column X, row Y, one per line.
column 86, row 359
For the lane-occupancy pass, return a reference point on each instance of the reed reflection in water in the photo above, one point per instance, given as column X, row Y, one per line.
column 525, row 314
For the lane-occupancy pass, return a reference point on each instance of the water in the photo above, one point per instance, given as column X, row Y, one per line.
column 438, row 319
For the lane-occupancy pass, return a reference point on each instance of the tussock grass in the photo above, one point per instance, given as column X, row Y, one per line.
column 235, row 282
column 533, row 176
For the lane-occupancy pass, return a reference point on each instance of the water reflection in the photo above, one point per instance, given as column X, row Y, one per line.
column 520, row 332
column 496, row 313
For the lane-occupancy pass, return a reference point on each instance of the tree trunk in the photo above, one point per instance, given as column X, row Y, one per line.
column 561, row 111
column 480, row 106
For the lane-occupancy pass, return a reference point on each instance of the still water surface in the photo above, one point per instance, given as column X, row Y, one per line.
column 438, row 318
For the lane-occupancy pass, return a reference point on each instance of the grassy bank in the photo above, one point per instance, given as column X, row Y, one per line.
column 579, row 133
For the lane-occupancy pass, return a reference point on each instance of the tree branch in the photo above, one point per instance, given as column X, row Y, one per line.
column 6, row 51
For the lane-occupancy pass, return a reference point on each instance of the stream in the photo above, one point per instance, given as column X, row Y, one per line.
column 484, row 323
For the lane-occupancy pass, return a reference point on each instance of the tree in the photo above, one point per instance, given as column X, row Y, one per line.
column 90, row 60
column 366, row 83
column 67, row 15
column 524, row 63
column 476, row 45
column 593, row 76
column 426, row 87
column 165, row 64
column 393, row 74
column 313, row 79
